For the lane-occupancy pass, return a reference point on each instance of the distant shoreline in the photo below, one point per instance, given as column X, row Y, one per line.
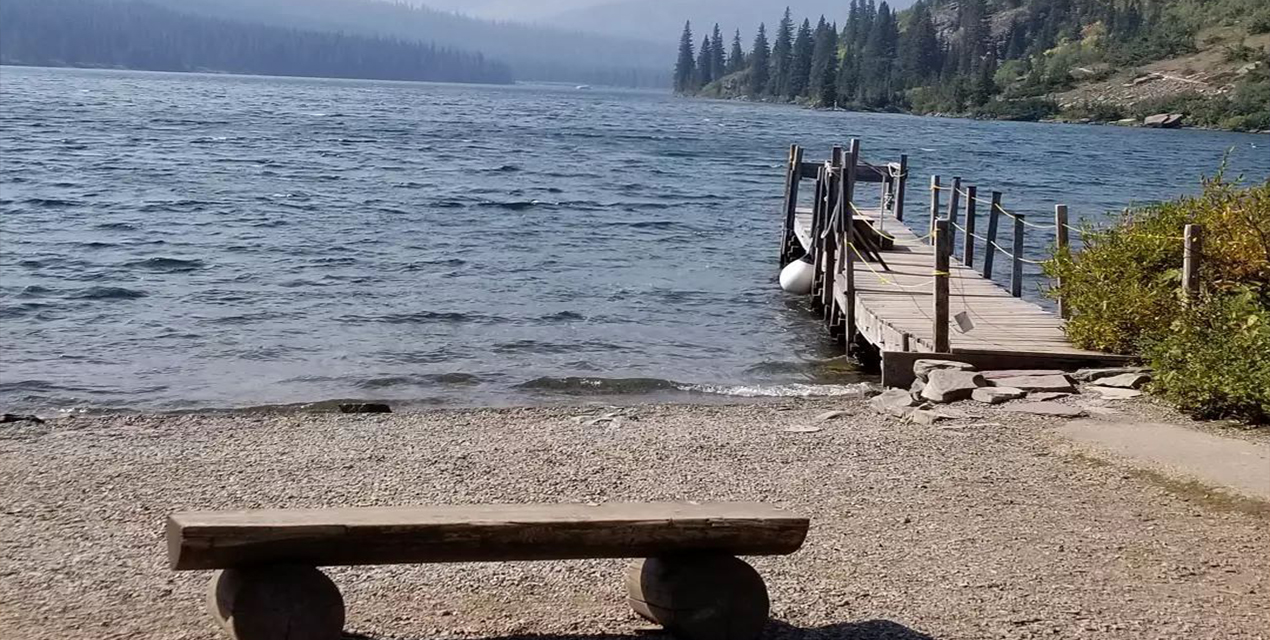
column 212, row 72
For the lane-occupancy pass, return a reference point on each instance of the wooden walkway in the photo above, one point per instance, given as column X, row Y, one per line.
column 895, row 303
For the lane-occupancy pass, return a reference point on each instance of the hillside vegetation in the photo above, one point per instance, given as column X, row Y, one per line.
column 1103, row 60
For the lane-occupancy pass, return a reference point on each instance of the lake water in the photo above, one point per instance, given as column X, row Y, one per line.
column 185, row 241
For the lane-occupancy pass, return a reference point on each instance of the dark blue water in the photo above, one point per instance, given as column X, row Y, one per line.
column 179, row 241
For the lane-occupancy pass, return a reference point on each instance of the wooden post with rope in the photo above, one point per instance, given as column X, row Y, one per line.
column 1192, row 253
column 990, row 240
column 1016, row 270
column 849, row 242
column 817, row 215
column 831, row 236
column 968, row 246
column 900, row 188
column 793, row 177
column 954, row 206
column 1062, row 247
column 934, row 204
column 943, row 247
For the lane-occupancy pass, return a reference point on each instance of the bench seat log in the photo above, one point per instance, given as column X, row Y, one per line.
column 477, row 533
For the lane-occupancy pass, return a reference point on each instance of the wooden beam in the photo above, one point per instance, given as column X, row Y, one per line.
column 1192, row 253
column 989, row 248
column 1063, row 248
column 934, row 205
column 954, row 206
column 943, row 247
column 849, row 242
column 477, row 533
column 1016, row 269
column 792, row 179
column 968, row 246
column 901, row 188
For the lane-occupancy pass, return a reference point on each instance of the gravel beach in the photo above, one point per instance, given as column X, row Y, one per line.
column 986, row 527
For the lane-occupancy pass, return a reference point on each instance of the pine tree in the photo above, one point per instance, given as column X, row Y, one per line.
column 824, row 66
column 782, row 57
column 760, row 63
column 848, row 77
column 878, row 59
column 718, row 64
column 686, row 68
column 800, row 72
column 919, row 48
column 736, row 59
column 975, row 33
column 705, row 73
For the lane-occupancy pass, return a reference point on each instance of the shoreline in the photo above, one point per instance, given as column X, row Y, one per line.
column 993, row 524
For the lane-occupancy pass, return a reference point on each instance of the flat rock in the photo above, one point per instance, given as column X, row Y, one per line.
column 802, row 428
column 893, row 400
column 1046, row 396
column 997, row 395
column 923, row 368
column 917, row 387
column 1054, row 384
column 923, row 416
column 1047, row 409
column 950, row 385
column 1125, row 381
column 832, row 415
column 1091, row 375
column 1020, row 373
column 1114, row 393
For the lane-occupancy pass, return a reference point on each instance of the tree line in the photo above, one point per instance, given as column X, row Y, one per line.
column 996, row 57
column 137, row 35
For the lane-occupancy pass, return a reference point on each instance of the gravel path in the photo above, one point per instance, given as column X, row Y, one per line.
column 984, row 528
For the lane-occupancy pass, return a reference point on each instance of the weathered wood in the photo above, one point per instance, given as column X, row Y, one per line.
column 818, row 218
column 934, row 206
column 943, row 247
column 1063, row 247
column 793, row 178
column 406, row 535
column 1016, row 268
column 968, row 245
column 954, row 206
column 850, row 243
column 990, row 238
column 901, row 188
column 1192, row 252
column 703, row 597
column 272, row 602
column 832, row 234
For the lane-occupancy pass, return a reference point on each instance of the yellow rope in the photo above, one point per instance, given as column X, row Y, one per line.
column 883, row 278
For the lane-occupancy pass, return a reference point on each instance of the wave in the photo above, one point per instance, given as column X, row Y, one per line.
column 420, row 317
column 167, row 265
column 859, row 390
column 117, row 226
column 599, row 386
column 108, row 293
column 584, row 386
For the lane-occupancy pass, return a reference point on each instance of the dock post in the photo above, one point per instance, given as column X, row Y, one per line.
column 954, row 207
column 817, row 222
column 832, row 222
column 848, row 243
column 990, row 241
column 793, row 177
column 1016, row 270
column 968, row 245
column 900, row 188
column 934, row 205
column 1061, row 246
column 942, row 249
column 1191, row 258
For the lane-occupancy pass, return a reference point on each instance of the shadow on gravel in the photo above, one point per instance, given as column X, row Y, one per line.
column 868, row 630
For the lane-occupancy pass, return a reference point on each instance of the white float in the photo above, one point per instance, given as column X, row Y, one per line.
column 796, row 277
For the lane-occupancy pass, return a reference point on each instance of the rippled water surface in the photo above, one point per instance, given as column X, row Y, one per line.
column 179, row 241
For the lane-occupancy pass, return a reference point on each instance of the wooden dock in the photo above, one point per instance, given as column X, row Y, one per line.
column 893, row 295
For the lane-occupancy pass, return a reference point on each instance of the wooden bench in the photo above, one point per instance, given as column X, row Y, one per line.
column 689, row 580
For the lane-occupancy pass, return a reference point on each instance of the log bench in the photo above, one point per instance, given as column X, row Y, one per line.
column 267, row 585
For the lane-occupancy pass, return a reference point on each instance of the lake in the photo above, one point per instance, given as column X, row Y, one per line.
column 197, row 241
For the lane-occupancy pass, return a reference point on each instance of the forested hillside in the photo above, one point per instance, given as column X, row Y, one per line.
column 1101, row 60
column 136, row 35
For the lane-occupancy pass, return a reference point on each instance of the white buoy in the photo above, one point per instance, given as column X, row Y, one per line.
column 796, row 277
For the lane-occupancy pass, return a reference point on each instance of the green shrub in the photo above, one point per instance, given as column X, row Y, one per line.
column 1123, row 290
column 1030, row 109
column 1096, row 111
column 1259, row 22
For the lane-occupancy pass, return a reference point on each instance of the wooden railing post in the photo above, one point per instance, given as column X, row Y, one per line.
column 954, row 207
column 1192, row 256
column 934, row 205
column 994, row 215
column 968, row 246
column 942, row 250
column 792, row 180
column 1062, row 248
column 1016, row 271
column 817, row 226
column 832, row 227
column 848, row 250
column 901, row 188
